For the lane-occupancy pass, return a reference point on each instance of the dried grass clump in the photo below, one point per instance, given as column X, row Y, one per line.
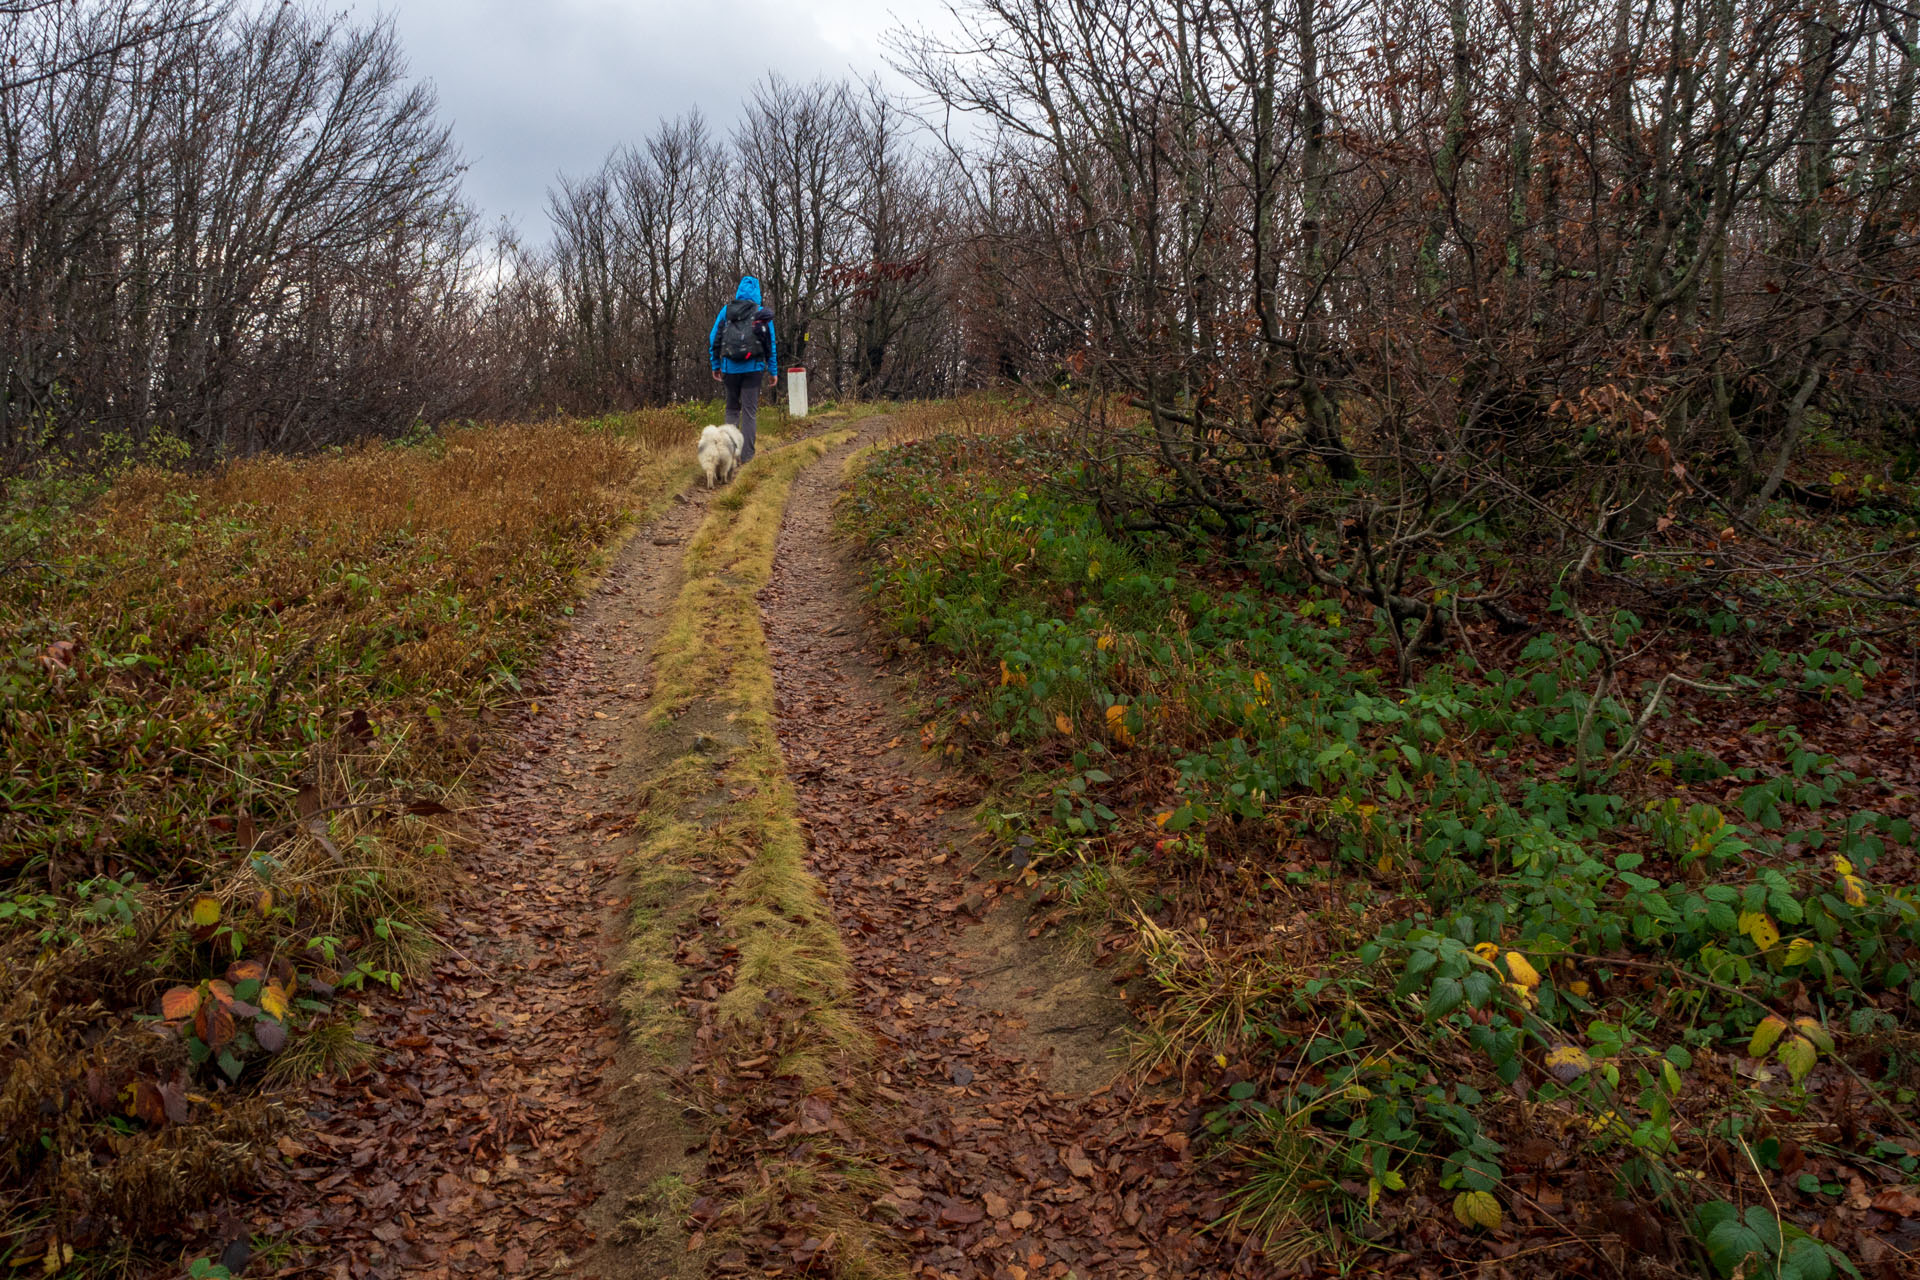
column 977, row 414
column 253, row 694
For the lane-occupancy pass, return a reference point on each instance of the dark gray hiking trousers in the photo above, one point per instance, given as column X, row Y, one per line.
column 743, row 406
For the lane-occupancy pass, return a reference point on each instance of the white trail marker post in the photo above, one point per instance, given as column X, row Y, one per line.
column 797, row 392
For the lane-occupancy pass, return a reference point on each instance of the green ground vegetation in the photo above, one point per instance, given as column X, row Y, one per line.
column 1521, row 937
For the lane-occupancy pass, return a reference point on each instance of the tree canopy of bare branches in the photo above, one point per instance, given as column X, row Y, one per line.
column 238, row 230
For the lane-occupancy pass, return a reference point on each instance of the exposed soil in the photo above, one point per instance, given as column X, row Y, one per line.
column 1018, row 1148
column 503, row 1128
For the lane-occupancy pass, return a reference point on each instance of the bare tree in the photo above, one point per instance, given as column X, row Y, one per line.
column 241, row 231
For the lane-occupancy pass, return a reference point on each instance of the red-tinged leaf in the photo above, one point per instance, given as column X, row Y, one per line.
column 59, row 656
column 246, row 971
column 962, row 1212
column 179, row 1002
column 1899, row 1200
column 173, row 1098
column 147, row 1105
column 220, row 991
column 97, row 1087
column 214, row 1024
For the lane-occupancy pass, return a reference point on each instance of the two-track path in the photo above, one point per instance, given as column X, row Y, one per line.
column 493, row 1136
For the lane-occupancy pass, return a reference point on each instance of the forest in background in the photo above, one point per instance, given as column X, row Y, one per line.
column 1671, row 232
column 1520, row 397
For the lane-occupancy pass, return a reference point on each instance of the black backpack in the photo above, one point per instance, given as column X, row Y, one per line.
column 743, row 333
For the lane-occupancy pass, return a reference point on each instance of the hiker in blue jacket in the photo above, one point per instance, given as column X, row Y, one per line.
column 742, row 350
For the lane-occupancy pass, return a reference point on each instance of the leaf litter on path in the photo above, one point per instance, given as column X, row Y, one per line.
column 1013, row 1145
column 476, row 1142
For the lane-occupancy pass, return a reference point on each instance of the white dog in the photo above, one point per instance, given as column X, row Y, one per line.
column 720, row 452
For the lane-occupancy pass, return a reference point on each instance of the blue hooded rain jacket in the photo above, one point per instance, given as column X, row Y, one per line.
column 749, row 290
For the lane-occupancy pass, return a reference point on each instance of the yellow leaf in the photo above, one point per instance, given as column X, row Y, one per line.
column 1063, row 722
column 1477, row 1209
column 1568, row 1062
column 1759, row 926
column 206, row 912
column 273, row 1001
column 1799, row 951
column 1117, row 725
column 1162, row 819
column 1524, row 993
column 1812, row 1030
column 1843, row 865
column 1797, row 1055
column 1220, row 1060
column 1855, row 890
column 1104, row 643
column 1579, row 987
column 1486, row 951
column 1522, row 970
column 264, row 903
column 1766, row 1035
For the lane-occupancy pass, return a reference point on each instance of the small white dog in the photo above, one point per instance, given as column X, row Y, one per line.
column 720, row 452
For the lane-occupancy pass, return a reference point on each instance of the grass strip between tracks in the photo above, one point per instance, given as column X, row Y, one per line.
column 720, row 865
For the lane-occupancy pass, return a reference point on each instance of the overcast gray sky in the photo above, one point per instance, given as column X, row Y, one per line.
column 538, row 87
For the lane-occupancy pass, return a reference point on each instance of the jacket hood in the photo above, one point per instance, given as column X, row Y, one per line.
column 749, row 289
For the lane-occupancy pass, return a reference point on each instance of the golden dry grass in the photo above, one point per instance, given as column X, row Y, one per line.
column 227, row 687
column 714, row 653
column 791, row 982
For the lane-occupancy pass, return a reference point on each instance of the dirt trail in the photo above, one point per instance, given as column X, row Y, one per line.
column 490, row 1136
column 1017, row 1148
column 501, row 1130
